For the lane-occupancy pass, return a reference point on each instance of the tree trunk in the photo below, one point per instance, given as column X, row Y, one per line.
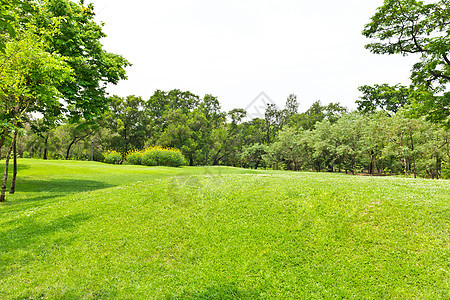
column 5, row 176
column 438, row 166
column 257, row 164
column 92, row 150
column 353, row 166
column 70, row 146
column 2, row 140
column 372, row 162
column 405, row 162
column 216, row 158
column 126, row 140
column 45, row 147
column 13, row 183
column 413, row 155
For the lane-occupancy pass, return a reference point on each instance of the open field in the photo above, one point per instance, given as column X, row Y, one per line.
column 94, row 231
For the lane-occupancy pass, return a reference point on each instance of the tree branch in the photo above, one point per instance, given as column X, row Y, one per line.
column 446, row 59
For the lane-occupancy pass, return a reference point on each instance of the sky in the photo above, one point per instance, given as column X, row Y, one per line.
column 238, row 49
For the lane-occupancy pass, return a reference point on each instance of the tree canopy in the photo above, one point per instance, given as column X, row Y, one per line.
column 414, row 27
column 382, row 96
column 53, row 63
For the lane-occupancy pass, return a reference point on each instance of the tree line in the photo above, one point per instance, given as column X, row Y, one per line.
column 54, row 72
column 380, row 138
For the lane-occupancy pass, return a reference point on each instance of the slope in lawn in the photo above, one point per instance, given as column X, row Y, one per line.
column 162, row 233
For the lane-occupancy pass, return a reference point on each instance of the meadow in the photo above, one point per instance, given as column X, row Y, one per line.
column 86, row 230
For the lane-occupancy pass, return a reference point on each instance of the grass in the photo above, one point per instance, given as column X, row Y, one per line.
column 93, row 231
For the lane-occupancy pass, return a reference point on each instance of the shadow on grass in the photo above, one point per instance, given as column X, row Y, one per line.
column 218, row 292
column 26, row 232
column 20, row 167
column 32, row 190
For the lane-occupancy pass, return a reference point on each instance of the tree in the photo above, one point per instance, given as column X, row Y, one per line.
column 274, row 121
column 78, row 40
column 387, row 98
column 317, row 113
column 8, row 19
column 56, row 54
column 29, row 80
column 77, row 133
column 238, row 135
column 161, row 102
column 289, row 150
column 413, row 27
column 291, row 107
column 374, row 139
column 197, row 133
column 127, row 118
column 347, row 135
column 186, row 132
column 253, row 155
column 334, row 111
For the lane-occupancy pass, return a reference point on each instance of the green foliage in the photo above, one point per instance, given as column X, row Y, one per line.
column 29, row 83
column 195, row 130
column 8, row 20
column 78, row 39
column 387, row 98
column 127, row 118
column 409, row 27
column 161, row 104
column 252, row 155
column 317, row 113
column 112, row 157
column 134, row 158
column 156, row 156
column 436, row 108
column 359, row 143
column 446, row 173
column 289, row 150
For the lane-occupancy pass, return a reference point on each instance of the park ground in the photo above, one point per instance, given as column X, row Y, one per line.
column 86, row 230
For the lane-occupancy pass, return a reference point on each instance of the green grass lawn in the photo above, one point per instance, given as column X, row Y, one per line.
column 93, row 231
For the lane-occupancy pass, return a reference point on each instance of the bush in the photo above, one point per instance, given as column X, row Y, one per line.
column 26, row 154
column 156, row 156
column 112, row 157
column 134, row 158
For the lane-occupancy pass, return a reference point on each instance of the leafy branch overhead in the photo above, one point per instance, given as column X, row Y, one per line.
column 52, row 63
column 413, row 27
column 409, row 27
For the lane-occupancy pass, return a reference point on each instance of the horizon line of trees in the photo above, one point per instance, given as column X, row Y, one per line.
column 379, row 138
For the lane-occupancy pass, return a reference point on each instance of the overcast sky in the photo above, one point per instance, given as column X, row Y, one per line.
column 236, row 49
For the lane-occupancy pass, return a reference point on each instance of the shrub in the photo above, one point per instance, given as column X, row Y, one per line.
column 134, row 158
column 156, row 156
column 26, row 154
column 112, row 157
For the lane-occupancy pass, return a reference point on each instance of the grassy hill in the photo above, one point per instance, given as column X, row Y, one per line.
column 94, row 231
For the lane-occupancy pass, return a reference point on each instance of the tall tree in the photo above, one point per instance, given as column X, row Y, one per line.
column 415, row 27
column 291, row 107
column 161, row 102
column 56, row 54
column 383, row 97
column 127, row 118
column 78, row 39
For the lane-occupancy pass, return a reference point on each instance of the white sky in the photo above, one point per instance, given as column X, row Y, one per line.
column 236, row 49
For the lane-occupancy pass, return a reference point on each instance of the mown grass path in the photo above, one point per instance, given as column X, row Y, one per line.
column 89, row 230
